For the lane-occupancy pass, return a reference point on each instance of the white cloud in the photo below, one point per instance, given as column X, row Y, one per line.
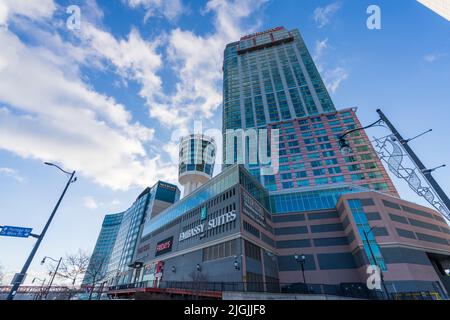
column 90, row 203
column 12, row 173
column 197, row 61
column 432, row 57
column 35, row 10
column 170, row 9
column 333, row 78
column 321, row 46
column 323, row 15
column 115, row 202
column 50, row 114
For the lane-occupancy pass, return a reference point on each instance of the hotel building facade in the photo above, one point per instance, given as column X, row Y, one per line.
column 241, row 230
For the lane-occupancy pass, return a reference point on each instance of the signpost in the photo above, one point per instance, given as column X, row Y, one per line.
column 18, row 278
column 18, row 232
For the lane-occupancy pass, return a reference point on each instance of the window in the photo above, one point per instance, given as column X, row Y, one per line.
column 337, row 129
column 348, row 120
column 301, row 174
column 354, row 167
column 334, row 170
column 350, row 159
column 252, row 251
column 366, row 156
column 314, row 155
column 286, row 176
column 316, row 164
column 331, row 162
column 219, row 251
column 320, row 181
column 358, row 177
column 337, row 179
column 303, row 183
column 298, row 166
column 370, row 165
column 362, row 149
column 319, row 172
column 321, row 132
column 380, row 186
column 375, row 175
column 334, row 123
column 371, row 247
column 318, row 125
column 326, row 146
column 328, row 154
column 287, row 185
column 305, row 128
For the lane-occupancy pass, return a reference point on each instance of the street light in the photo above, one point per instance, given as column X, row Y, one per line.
column 27, row 264
column 54, row 273
column 374, row 259
column 344, row 146
column 37, row 296
column 302, row 259
column 441, row 201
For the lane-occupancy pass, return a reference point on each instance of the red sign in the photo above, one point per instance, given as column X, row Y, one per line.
column 164, row 246
column 261, row 33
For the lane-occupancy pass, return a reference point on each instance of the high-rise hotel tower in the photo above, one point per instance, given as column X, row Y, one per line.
column 271, row 82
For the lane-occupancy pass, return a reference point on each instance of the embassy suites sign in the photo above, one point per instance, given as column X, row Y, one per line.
column 211, row 224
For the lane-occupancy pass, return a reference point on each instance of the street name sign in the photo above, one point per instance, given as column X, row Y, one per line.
column 19, row 232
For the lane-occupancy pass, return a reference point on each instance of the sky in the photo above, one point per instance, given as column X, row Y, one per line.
column 110, row 96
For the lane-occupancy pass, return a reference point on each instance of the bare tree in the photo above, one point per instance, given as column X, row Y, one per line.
column 199, row 282
column 74, row 266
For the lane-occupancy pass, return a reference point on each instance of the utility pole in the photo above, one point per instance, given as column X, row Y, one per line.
column 53, row 276
column 27, row 264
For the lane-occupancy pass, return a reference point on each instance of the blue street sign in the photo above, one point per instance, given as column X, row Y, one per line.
column 19, row 232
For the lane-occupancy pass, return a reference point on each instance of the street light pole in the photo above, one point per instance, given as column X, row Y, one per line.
column 375, row 260
column 302, row 259
column 27, row 264
column 53, row 276
column 37, row 296
column 427, row 173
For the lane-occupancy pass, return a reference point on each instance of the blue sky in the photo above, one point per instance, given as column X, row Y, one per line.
column 106, row 99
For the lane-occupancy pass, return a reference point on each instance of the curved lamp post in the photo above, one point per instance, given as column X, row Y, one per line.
column 302, row 259
column 27, row 264
column 54, row 273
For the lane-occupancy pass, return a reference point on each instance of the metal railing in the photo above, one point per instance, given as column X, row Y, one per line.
column 350, row 290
